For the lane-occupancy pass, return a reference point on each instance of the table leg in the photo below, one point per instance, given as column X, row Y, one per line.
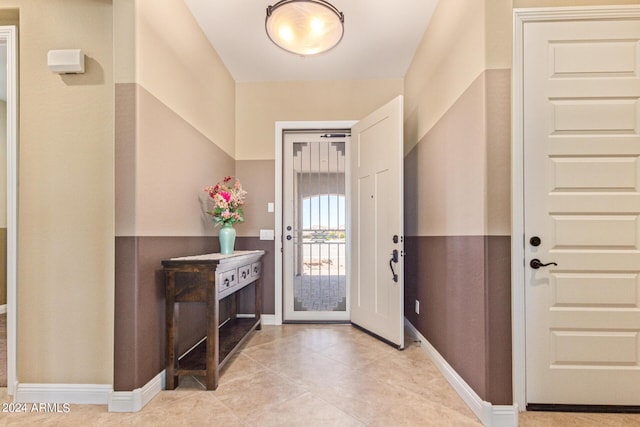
column 258, row 286
column 213, row 350
column 172, row 332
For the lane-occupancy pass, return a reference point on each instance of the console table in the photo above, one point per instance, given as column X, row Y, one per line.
column 210, row 278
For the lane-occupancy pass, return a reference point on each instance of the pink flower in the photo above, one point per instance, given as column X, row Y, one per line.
column 220, row 201
column 211, row 190
column 226, row 196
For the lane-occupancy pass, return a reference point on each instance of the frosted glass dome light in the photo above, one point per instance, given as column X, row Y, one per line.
column 304, row 27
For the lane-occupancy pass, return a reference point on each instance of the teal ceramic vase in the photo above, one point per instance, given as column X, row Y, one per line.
column 227, row 236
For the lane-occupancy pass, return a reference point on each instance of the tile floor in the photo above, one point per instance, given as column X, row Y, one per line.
column 311, row 375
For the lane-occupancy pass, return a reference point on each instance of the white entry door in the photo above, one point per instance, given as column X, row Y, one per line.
column 376, row 225
column 581, row 92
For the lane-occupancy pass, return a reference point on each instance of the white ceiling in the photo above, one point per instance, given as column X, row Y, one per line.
column 380, row 40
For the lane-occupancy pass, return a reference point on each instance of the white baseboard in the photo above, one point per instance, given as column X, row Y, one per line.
column 490, row 415
column 84, row 394
column 134, row 401
column 269, row 319
column 3, row 308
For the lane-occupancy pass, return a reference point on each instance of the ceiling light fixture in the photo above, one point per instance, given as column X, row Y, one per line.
column 304, row 27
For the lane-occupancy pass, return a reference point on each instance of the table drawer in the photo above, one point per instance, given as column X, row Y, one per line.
column 227, row 280
column 244, row 274
column 256, row 269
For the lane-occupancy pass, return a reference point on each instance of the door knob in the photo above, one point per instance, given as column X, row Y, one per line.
column 536, row 264
column 289, row 237
column 535, row 241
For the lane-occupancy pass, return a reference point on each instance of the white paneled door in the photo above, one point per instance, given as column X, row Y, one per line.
column 581, row 92
column 376, row 181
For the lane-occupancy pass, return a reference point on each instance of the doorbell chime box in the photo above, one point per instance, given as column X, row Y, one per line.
column 66, row 61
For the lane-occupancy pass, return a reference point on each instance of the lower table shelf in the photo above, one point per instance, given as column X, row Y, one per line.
column 231, row 335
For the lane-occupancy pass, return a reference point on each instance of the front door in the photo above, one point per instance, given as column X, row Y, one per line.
column 314, row 214
column 376, row 181
column 582, row 211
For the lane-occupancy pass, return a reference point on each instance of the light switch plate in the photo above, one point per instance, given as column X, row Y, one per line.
column 270, row 207
column 267, row 235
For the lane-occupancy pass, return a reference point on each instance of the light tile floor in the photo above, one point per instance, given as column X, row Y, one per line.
column 311, row 375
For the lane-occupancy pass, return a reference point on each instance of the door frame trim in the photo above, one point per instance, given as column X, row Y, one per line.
column 518, row 305
column 280, row 127
column 9, row 34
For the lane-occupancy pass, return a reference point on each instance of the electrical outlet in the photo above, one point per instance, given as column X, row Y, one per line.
column 417, row 307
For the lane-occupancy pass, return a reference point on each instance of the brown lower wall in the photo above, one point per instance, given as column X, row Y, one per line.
column 498, row 320
column 463, row 285
column 446, row 274
column 140, row 342
column 3, row 266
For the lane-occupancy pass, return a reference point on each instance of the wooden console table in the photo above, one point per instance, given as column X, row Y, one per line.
column 210, row 278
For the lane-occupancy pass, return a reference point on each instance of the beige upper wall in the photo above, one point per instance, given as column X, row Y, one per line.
column 160, row 46
column 446, row 173
column 464, row 38
column 449, row 58
column 66, row 222
column 124, row 41
column 446, row 93
column 174, row 163
column 183, row 118
column 498, row 33
column 260, row 105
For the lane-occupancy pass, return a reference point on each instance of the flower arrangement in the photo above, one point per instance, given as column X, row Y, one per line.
column 226, row 200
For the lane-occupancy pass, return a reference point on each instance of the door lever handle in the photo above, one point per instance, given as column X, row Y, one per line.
column 536, row 264
column 394, row 258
